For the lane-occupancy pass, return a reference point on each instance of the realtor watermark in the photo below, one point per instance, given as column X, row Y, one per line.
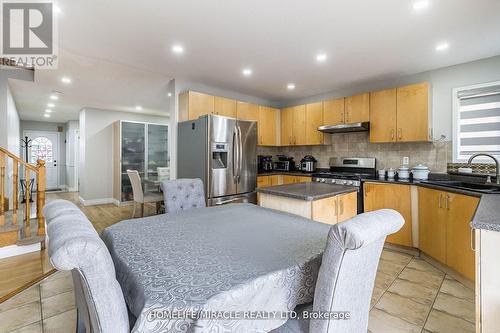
column 245, row 315
column 29, row 34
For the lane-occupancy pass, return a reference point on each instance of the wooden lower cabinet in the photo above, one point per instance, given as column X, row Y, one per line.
column 393, row 196
column 432, row 224
column 348, row 206
column 335, row 209
column 444, row 228
column 460, row 210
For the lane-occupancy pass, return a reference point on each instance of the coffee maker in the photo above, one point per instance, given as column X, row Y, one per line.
column 265, row 163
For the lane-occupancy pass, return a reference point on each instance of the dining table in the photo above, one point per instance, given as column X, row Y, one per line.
column 231, row 268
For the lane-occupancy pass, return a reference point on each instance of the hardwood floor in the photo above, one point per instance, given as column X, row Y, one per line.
column 20, row 272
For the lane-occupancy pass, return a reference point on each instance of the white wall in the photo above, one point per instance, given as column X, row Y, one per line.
column 13, row 137
column 442, row 82
column 72, row 146
column 96, row 151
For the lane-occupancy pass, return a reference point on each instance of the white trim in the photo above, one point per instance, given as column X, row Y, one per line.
column 101, row 201
column 16, row 250
column 456, row 112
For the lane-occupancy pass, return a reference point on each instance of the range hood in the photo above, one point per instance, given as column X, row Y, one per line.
column 343, row 128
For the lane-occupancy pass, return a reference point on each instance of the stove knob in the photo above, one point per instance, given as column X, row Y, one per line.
column 349, row 182
column 344, row 182
column 333, row 181
column 323, row 180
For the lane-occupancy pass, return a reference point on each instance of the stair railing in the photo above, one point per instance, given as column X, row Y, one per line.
column 39, row 171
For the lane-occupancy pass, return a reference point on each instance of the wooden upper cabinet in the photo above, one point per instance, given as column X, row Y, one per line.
column 299, row 125
column 267, row 126
column 247, row 111
column 193, row 104
column 286, row 126
column 357, row 108
column 460, row 210
column 333, row 111
column 224, row 107
column 314, row 119
column 432, row 223
column 393, row 196
column 383, row 120
column 413, row 113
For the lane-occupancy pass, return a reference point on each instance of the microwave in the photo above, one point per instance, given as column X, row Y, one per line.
column 283, row 166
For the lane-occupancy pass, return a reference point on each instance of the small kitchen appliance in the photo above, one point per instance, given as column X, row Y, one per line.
column 284, row 163
column 308, row 164
column 265, row 163
column 420, row 172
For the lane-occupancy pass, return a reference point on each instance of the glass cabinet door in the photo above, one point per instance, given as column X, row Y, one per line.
column 133, row 154
column 157, row 149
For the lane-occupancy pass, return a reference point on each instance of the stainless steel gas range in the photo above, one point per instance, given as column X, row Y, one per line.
column 350, row 171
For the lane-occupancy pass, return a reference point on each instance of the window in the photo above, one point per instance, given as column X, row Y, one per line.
column 477, row 122
column 41, row 149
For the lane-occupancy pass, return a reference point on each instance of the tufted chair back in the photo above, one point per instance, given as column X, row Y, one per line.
column 183, row 194
column 75, row 246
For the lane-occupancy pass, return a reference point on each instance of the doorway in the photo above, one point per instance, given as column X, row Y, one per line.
column 45, row 146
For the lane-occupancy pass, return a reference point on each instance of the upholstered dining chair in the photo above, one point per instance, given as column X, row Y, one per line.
column 183, row 194
column 140, row 197
column 75, row 246
column 347, row 274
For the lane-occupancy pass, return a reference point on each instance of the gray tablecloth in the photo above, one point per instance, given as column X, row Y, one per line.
column 234, row 258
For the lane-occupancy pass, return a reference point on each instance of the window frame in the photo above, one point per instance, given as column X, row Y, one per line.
column 456, row 127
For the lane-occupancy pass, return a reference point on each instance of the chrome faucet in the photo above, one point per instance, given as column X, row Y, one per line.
column 487, row 155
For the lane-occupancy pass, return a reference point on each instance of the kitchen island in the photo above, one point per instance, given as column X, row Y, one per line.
column 316, row 201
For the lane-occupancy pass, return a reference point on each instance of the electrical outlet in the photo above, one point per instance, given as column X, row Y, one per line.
column 406, row 160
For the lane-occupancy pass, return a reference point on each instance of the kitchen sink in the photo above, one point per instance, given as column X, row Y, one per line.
column 476, row 187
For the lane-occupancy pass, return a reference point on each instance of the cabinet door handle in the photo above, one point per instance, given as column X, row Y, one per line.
column 342, row 118
column 261, row 139
column 341, row 201
column 290, row 140
column 400, row 133
column 336, row 208
column 447, row 202
column 472, row 240
column 347, row 116
column 392, row 134
column 439, row 201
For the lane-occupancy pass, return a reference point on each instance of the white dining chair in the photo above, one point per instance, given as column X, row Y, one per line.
column 139, row 196
column 163, row 173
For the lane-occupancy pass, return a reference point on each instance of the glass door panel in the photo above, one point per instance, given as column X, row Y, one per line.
column 157, row 149
column 133, row 154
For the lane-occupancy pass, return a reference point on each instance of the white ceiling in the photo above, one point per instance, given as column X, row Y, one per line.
column 95, row 83
column 365, row 41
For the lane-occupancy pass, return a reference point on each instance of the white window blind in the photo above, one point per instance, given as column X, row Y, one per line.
column 478, row 128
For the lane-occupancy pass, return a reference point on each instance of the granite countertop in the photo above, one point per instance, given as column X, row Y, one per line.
column 307, row 191
column 487, row 215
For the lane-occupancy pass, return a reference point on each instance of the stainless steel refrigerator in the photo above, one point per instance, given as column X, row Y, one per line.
column 222, row 152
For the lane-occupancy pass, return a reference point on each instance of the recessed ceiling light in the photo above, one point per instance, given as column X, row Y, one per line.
column 321, row 57
column 66, row 79
column 247, row 72
column 57, row 10
column 178, row 49
column 442, row 46
column 48, row 110
column 420, row 5
column 169, row 94
column 54, row 97
column 290, row 86
column 138, row 108
column 46, row 115
column 51, row 105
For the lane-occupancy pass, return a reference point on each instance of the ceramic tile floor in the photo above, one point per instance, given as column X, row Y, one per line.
column 410, row 295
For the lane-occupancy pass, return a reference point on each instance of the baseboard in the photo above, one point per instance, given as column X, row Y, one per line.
column 16, row 250
column 93, row 202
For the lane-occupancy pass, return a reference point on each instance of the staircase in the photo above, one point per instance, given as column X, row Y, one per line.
column 21, row 224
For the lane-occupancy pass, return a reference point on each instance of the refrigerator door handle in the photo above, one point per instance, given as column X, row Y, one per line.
column 240, row 157
column 235, row 156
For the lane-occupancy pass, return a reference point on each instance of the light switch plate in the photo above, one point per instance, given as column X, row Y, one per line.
column 406, row 160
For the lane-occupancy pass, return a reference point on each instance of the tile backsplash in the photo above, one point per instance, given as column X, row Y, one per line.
column 435, row 155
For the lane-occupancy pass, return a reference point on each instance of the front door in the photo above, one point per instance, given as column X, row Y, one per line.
column 45, row 146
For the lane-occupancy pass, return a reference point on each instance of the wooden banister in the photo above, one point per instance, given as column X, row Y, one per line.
column 29, row 169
